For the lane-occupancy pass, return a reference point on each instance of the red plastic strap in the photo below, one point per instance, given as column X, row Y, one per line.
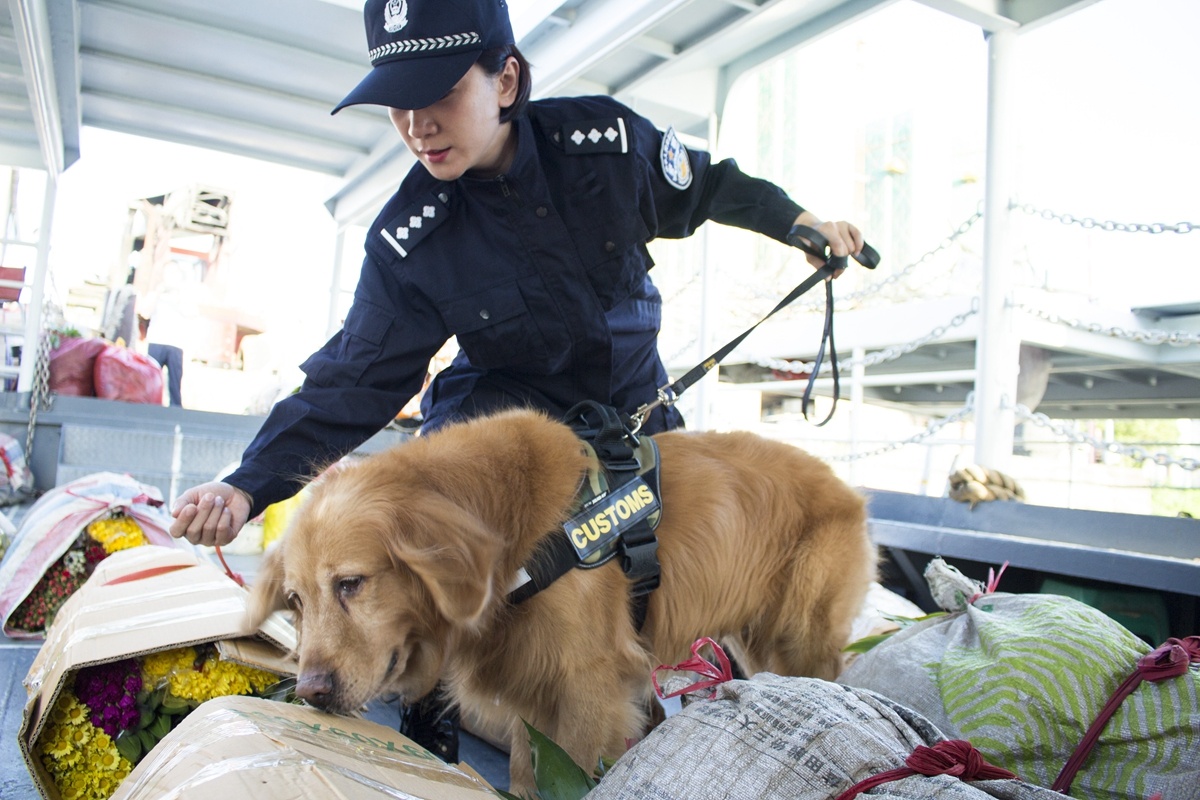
column 235, row 577
column 1169, row 660
column 993, row 583
column 714, row 675
column 952, row 757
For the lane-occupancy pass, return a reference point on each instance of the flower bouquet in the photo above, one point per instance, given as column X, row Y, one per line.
column 111, row 715
column 62, row 538
column 105, row 536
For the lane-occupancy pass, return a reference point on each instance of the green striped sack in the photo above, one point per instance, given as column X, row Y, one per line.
column 1022, row 676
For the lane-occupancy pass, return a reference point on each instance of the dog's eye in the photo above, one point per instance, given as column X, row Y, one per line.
column 293, row 602
column 347, row 587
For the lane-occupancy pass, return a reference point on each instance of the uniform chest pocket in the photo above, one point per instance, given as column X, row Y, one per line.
column 495, row 327
column 615, row 255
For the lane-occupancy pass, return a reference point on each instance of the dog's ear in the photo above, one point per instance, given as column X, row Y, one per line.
column 266, row 592
column 453, row 553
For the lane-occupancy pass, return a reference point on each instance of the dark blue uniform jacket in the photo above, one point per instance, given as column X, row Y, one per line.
column 541, row 273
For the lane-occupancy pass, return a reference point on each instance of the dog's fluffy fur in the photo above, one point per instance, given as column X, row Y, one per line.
column 397, row 569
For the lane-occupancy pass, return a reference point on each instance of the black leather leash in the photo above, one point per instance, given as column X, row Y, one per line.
column 814, row 243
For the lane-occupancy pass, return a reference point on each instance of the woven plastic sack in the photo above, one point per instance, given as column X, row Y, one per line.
column 1023, row 676
column 16, row 479
column 56, row 520
column 125, row 374
column 72, row 367
column 776, row 738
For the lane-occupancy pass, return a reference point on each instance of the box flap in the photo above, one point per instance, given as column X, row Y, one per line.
column 249, row 747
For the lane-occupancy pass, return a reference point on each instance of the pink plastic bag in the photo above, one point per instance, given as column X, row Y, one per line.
column 73, row 366
column 125, row 374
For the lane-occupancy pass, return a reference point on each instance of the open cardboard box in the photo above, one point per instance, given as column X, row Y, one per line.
column 249, row 747
column 140, row 601
column 148, row 599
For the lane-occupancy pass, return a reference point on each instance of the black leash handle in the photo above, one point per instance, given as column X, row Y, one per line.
column 813, row 242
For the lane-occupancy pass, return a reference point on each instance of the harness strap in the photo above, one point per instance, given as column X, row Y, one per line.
column 626, row 462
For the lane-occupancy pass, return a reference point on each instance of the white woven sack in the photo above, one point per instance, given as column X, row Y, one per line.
column 776, row 738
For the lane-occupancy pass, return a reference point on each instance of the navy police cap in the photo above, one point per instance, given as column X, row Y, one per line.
column 420, row 48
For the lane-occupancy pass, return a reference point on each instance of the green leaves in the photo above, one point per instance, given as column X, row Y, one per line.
column 556, row 775
column 868, row 642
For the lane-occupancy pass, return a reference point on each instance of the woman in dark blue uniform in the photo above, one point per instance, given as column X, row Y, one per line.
column 522, row 232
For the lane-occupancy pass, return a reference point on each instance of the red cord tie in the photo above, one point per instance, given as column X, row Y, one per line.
column 1169, row 660
column 233, row 576
column 712, row 674
column 953, row 757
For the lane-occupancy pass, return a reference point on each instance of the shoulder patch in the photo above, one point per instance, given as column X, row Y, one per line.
column 595, row 136
column 676, row 166
column 406, row 230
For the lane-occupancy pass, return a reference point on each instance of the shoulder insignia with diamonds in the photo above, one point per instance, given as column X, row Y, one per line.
column 595, row 136
column 406, row 230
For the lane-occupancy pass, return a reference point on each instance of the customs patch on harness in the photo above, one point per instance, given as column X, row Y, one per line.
column 595, row 136
column 676, row 166
column 406, row 230
column 602, row 521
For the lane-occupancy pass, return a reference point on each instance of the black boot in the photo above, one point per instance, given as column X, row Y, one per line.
column 433, row 724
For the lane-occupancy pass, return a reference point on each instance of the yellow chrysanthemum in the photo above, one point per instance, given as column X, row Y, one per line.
column 158, row 667
column 82, row 759
column 117, row 533
column 219, row 679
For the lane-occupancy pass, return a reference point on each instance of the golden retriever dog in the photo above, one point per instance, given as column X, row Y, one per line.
column 397, row 570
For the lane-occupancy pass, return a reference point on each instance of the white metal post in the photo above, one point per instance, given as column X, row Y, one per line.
column 30, row 347
column 997, row 348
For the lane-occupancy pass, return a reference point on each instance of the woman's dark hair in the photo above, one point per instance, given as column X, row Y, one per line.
column 493, row 61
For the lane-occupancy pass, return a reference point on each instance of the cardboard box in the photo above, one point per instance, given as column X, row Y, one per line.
column 248, row 747
column 138, row 601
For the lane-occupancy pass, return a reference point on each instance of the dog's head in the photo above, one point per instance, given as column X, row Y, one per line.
column 382, row 575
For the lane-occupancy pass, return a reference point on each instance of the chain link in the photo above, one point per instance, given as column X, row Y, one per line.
column 1138, row 454
column 1108, row 224
column 879, row 356
column 930, row 430
column 1153, row 336
column 39, row 395
column 854, row 297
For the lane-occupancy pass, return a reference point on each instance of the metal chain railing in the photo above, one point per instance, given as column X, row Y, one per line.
column 879, row 356
column 874, row 288
column 1138, row 454
column 1153, row 336
column 931, row 430
column 1106, row 225
column 39, row 395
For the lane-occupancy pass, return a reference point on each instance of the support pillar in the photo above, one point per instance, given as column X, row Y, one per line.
column 997, row 348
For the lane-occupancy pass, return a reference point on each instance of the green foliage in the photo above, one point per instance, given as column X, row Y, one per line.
column 1172, row 502
column 556, row 775
column 868, row 642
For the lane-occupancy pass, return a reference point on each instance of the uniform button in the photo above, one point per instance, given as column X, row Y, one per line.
column 541, row 212
column 485, row 314
column 443, row 197
column 609, row 247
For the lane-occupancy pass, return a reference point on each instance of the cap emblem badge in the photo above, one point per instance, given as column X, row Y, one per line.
column 395, row 15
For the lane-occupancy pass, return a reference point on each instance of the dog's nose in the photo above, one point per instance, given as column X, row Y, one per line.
column 315, row 687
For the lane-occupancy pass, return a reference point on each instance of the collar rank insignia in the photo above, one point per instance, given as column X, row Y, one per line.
column 595, row 136
column 406, row 230
column 604, row 520
column 676, row 166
